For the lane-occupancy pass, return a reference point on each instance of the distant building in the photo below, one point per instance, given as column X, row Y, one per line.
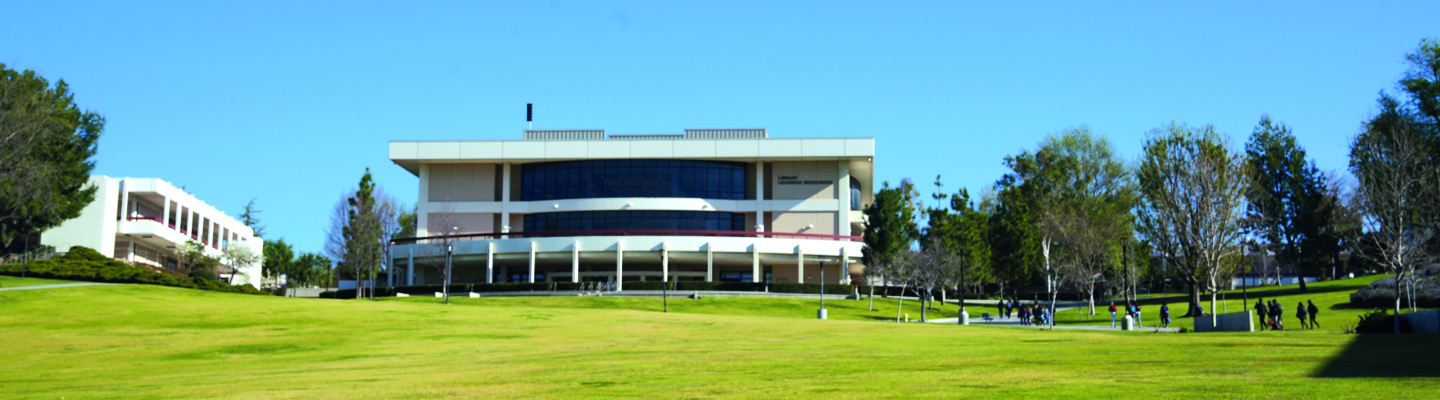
column 578, row 205
column 143, row 221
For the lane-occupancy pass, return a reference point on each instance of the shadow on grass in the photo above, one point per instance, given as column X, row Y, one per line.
column 1386, row 356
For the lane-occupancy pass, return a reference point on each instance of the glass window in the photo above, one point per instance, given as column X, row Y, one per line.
column 632, row 178
column 619, row 220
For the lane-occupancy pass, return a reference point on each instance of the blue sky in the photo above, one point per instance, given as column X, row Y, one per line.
column 289, row 102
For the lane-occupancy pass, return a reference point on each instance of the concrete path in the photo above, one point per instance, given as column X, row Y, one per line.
column 56, row 286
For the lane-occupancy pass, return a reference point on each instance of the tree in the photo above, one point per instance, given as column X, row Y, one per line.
column 311, row 270
column 361, row 224
column 1090, row 209
column 279, row 259
column 46, row 146
column 1391, row 159
column 1422, row 82
column 960, row 232
column 240, row 257
column 251, row 218
column 407, row 222
column 889, row 230
column 1287, row 203
column 1013, row 235
column 192, row 257
column 1193, row 188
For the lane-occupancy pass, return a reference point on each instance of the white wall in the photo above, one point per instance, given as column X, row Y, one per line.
column 95, row 227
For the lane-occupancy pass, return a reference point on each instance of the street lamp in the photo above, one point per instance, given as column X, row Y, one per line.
column 449, row 250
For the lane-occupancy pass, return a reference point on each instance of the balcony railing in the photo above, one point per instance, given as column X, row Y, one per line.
column 172, row 226
column 627, row 232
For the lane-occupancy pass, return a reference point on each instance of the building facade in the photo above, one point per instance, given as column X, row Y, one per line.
column 144, row 220
column 580, row 205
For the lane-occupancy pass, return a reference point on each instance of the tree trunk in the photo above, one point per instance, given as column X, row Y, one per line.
column 900, row 303
column 1397, row 304
column 924, row 298
column 872, row 298
column 1194, row 300
column 1213, row 316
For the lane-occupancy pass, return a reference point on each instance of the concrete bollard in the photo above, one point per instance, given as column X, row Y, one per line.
column 439, row 294
column 823, row 313
column 401, row 295
column 1127, row 324
column 907, row 317
column 474, row 295
column 964, row 318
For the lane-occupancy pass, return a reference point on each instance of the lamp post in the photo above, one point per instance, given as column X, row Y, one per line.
column 822, row 291
column 449, row 250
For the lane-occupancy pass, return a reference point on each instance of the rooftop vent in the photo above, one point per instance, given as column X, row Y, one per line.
column 742, row 133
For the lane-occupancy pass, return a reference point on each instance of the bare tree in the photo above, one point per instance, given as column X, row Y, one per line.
column 928, row 269
column 1193, row 185
column 239, row 256
column 1397, row 193
column 443, row 228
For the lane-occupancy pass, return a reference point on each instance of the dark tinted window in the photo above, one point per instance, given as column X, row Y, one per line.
column 632, row 178
column 607, row 220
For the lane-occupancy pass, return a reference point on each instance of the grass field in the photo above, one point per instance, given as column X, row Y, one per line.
column 1331, row 297
column 15, row 281
column 139, row 341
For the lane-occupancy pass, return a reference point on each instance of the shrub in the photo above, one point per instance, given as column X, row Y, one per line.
column 1380, row 321
column 84, row 264
column 204, row 274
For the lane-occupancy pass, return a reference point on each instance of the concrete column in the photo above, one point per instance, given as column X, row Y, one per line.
column 844, row 266
column 410, row 267
column 165, row 212
column 710, row 262
column 505, row 199
column 531, row 279
column 800, row 263
column 665, row 261
column 575, row 262
column 755, row 263
column 422, row 217
column 131, row 256
column 760, row 196
column 125, row 199
column 619, row 266
column 844, row 188
column 490, row 262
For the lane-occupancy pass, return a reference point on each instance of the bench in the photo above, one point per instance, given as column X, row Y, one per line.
column 986, row 317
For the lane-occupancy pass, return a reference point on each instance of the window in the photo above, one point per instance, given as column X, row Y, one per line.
column 632, row 178
column 616, row 220
column 854, row 194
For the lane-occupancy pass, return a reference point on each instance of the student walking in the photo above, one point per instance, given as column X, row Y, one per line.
column 1313, row 310
column 1112, row 314
column 1001, row 306
column 1278, row 311
column 1300, row 315
column 1137, row 315
column 1260, row 313
column 1165, row 314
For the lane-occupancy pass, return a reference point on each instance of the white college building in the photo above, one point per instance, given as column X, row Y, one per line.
column 578, row 205
column 143, row 220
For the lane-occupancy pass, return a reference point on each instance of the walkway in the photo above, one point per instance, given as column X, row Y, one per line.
column 1015, row 323
column 57, row 286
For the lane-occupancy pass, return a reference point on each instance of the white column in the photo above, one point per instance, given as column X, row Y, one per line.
column 619, row 265
column 755, row 263
column 422, row 217
column 575, row 262
column 131, row 257
column 710, row 262
column 410, row 266
column 844, row 188
column 165, row 212
column 665, row 261
column 490, row 262
column 505, row 199
column 800, row 263
column 844, row 266
column 532, row 262
column 760, row 196
column 125, row 199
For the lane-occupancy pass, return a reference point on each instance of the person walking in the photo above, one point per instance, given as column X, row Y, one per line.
column 1300, row 315
column 1112, row 314
column 1137, row 315
column 1260, row 313
column 1279, row 313
column 1165, row 315
column 1001, row 308
column 1024, row 317
column 1313, row 310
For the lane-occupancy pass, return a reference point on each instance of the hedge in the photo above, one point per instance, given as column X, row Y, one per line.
column 85, row 264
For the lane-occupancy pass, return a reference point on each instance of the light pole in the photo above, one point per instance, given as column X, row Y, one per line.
column 822, row 291
column 449, row 250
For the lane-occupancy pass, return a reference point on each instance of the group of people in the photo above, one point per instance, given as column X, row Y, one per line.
column 1272, row 314
column 1133, row 310
column 1034, row 314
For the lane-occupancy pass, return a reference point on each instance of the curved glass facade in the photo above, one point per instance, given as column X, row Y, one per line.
column 607, row 220
column 632, row 178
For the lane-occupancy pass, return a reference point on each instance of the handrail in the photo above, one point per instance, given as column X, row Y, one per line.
column 629, row 232
column 156, row 219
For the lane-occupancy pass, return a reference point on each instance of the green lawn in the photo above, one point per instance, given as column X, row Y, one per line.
column 1332, row 297
column 839, row 309
column 15, row 281
column 140, row 341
